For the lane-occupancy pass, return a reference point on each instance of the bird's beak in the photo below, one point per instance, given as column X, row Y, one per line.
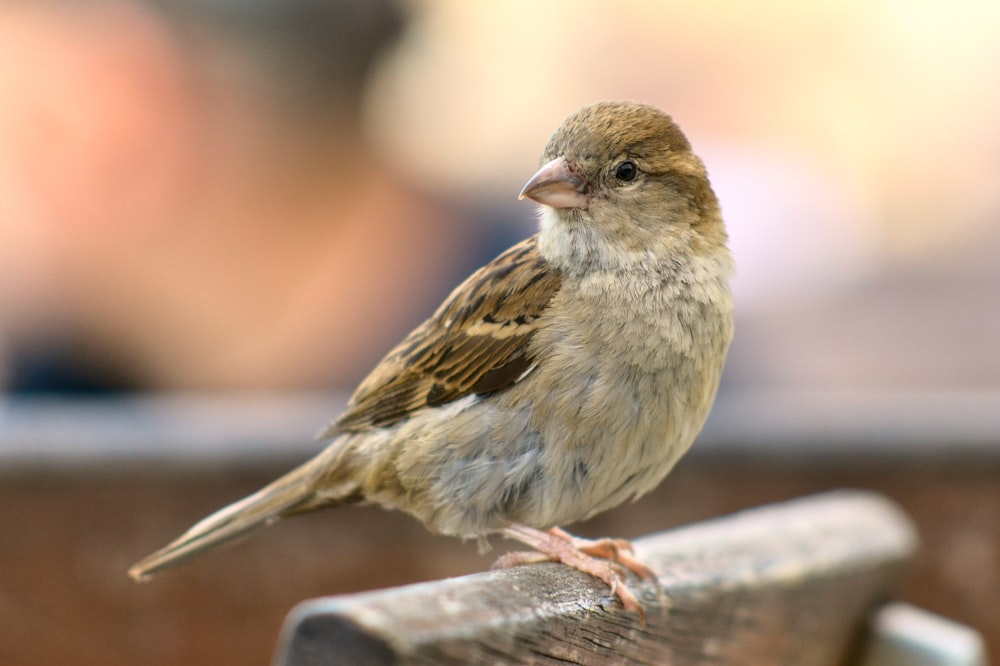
column 556, row 184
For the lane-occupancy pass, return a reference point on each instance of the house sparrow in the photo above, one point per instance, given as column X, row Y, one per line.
column 563, row 378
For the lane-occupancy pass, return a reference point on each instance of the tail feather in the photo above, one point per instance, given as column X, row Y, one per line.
column 293, row 493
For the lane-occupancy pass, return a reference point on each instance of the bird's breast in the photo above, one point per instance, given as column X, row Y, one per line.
column 630, row 370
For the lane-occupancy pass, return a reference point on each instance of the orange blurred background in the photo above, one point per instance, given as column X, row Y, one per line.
column 204, row 195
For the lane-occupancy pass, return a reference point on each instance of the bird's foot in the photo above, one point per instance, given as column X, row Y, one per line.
column 616, row 550
column 605, row 559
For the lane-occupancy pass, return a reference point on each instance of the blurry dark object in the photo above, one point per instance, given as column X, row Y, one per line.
column 315, row 54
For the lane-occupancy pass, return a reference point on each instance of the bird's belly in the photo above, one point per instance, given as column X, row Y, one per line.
column 626, row 433
column 552, row 461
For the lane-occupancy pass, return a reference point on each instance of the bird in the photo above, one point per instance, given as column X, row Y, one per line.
column 565, row 377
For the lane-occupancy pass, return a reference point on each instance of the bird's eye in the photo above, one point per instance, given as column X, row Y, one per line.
column 626, row 171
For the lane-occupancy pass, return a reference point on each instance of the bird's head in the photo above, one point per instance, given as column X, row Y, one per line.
column 619, row 184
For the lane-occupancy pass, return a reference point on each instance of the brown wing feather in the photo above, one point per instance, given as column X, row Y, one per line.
column 476, row 343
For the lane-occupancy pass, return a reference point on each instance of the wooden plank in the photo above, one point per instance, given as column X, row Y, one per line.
column 785, row 584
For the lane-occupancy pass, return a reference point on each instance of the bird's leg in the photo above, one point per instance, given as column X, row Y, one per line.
column 603, row 558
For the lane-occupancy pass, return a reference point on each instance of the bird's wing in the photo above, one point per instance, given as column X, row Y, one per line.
column 474, row 344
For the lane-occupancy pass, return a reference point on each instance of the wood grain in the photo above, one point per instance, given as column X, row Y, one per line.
column 791, row 583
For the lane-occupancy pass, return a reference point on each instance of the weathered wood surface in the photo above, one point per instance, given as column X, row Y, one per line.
column 792, row 583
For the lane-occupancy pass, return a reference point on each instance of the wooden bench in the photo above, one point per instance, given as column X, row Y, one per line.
column 803, row 583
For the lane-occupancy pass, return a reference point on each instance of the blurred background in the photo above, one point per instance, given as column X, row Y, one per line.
column 216, row 215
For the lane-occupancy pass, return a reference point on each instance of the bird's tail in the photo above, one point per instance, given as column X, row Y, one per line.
column 294, row 492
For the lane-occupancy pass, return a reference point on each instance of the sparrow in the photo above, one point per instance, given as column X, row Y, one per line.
column 564, row 378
